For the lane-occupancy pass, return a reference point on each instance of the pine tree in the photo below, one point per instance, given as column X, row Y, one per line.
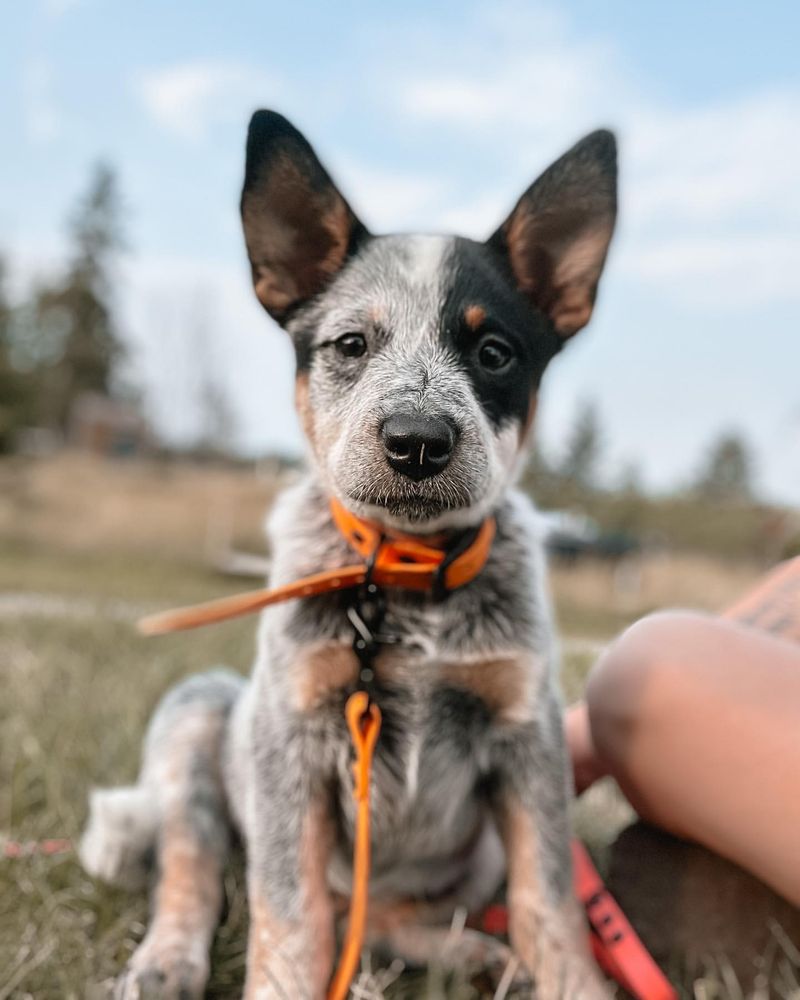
column 17, row 388
column 15, row 391
column 72, row 333
column 728, row 471
column 579, row 466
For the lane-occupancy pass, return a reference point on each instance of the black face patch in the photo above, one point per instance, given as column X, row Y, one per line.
column 482, row 313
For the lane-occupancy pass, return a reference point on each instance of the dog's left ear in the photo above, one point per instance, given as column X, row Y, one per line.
column 557, row 237
column 298, row 228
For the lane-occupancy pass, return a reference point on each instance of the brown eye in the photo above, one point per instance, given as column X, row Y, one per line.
column 495, row 354
column 351, row 345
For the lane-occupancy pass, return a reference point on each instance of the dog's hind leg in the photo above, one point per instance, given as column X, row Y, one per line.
column 181, row 781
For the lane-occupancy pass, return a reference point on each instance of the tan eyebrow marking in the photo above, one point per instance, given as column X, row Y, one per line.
column 474, row 315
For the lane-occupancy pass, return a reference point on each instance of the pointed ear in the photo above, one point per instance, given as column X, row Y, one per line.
column 557, row 237
column 298, row 229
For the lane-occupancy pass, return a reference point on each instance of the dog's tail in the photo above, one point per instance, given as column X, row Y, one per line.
column 118, row 845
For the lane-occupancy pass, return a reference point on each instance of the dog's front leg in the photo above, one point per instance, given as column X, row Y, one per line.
column 546, row 924
column 292, row 936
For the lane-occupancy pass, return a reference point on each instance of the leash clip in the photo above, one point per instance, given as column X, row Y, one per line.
column 365, row 645
column 366, row 615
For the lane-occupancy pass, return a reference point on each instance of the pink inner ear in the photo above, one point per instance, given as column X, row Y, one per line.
column 572, row 311
column 575, row 280
column 273, row 295
column 297, row 237
column 558, row 272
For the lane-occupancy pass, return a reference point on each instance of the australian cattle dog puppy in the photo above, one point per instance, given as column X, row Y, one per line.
column 419, row 360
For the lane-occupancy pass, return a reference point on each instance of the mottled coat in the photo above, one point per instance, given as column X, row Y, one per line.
column 418, row 363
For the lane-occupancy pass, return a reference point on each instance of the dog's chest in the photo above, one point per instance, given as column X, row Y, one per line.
column 440, row 712
column 421, row 692
column 443, row 688
column 429, row 764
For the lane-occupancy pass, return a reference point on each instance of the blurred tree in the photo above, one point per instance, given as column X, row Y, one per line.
column 579, row 465
column 216, row 431
column 540, row 478
column 728, row 471
column 68, row 336
column 630, row 481
column 16, row 395
column 219, row 423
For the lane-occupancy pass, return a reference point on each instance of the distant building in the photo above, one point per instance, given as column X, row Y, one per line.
column 106, row 426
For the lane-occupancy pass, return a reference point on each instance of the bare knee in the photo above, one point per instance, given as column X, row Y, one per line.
column 629, row 688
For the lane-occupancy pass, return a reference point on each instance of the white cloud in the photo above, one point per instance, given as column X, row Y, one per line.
column 726, row 163
column 511, row 66
column 711, row 201
column 710, row 198
column 504, row 101
column 55, row 9
column 188, row 99
column 43, row 118
column 387, row 199
column 477, row 217
column 722, row 272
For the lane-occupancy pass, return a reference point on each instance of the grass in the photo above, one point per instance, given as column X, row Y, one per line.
column 79, row 685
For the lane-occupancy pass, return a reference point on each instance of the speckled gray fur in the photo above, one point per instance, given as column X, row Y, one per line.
column 464, row 767
column 421, row 819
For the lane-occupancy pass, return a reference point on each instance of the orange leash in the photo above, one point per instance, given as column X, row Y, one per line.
column 400, row 561
column 364, row 721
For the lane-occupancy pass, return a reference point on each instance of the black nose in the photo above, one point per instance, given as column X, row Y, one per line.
column 416, row 445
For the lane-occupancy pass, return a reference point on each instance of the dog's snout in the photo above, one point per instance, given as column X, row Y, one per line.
column 417, row 445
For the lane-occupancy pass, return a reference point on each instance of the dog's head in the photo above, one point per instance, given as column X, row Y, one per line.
column 419, row 357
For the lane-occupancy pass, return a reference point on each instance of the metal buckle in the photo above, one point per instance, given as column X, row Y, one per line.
column 439, row 588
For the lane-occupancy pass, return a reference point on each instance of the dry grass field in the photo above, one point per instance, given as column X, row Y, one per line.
column 85, row 547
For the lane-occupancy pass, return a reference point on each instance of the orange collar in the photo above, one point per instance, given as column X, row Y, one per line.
column 401, row 561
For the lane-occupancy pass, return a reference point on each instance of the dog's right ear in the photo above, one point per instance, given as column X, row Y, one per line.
column 557, row 237
column 298, row 229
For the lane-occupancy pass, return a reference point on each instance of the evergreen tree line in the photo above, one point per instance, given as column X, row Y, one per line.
column 725, row 474
column 65, row 340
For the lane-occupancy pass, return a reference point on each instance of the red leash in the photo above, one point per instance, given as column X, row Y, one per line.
column 28, row 848
column 616, row 947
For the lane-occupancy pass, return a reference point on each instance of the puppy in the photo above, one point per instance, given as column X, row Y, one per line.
column 419, row 359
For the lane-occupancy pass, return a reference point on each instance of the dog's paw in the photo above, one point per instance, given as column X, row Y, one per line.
column 162, row 970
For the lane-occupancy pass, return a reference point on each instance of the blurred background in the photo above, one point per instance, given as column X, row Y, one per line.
column 146, row 399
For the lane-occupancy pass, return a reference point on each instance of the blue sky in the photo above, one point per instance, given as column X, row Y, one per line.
column 435, row 118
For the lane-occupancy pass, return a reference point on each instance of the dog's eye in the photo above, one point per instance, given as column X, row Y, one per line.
column 351, row 345
column 495, row 354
